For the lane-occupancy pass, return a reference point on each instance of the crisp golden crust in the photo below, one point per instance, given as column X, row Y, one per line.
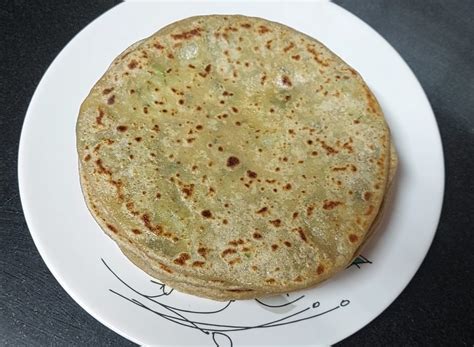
column 234, row 152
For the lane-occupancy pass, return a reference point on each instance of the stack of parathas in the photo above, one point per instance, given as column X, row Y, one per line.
column 232, row 157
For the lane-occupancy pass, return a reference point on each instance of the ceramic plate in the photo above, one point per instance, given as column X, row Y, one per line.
column 94, row 272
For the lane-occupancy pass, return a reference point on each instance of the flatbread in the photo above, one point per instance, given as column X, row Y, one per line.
column 234, row 152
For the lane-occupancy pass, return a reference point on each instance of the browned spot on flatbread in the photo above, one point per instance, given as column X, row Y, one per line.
column 315, row 55
column 296, row 57
column 286, row 81
column 262, row 29
column 232, row 161
column 301, row 233
column 320, row 269
column 206, row 214
column 107, row 91
column 353, row 238
column 101, row 168
column 246, row 25
column 329, row 204
column 256, row 235
column 198, row 263
column 186, row 35
column 202, row 251
column 239, row 290
column 133, row 64
column 369, row 210
column 111, row 100
column 158, row 46
column 206, row 72
column 276, row 223
column 188, row 190
column 367, row 196
column 235, row 243
column 156, row 229
column 182, row 259
column 290, row 46
column 309, row 210
column 112, row 228
column 228, row 251
column 136, row 231
column 165, row 268
column 87, row 157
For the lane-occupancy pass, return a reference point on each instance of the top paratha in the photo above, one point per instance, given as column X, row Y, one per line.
column 234, row 149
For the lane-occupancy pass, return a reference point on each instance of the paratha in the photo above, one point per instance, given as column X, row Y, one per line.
column 233, row 153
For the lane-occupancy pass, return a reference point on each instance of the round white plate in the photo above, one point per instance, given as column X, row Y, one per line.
column 95, row 273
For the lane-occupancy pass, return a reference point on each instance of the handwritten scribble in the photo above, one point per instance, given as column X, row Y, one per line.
column 220, row 332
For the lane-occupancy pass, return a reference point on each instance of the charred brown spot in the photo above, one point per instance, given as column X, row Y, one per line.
column 156, row 229
column 206, row 72
column 198, row 263
column 276, row 222
column 256, row 235
column 228, row 251
column 301, row 233
column 182, row 259
column 309, row 210
column 251, row 174
column 232, row 161
column 287, row 243
column 156, row 128
column 133, row 64
column 367, row 196
column 295, row 215
column 138, row 139
column 111, row 100
column 316, row 57
column 112, row 228
column 107, row 91
column 274, row 247
column 186, row 35
column 290, row 46
column 165, row 268
column 262, row 79
column 199, row 127
column 158, row 195
column 329, row 204
column 136, row 231
column 101, row 168
column 188, row 190
column 246, row 25
column 225, row 221
column 296, row 57
column 320, row 269
column 122, row 128
column 314, row 153
column 329, row 150
column 268, row 44
column 356, row 121
column 206, row 214
column 286, row 81
column 262, row 29
column 220, row 149
column 235, row 261
column 353, row 238
column 287, row 186
column 262, row 210
column 202, row 251
column 158, row 46
column 340, row 168
column 369, row 210
column 235, row 243
column 235, row 109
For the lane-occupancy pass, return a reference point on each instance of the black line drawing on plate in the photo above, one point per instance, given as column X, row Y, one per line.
column 221, row 333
